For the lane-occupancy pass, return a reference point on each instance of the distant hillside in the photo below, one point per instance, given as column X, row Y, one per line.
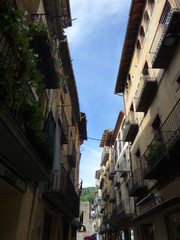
column 87, row 195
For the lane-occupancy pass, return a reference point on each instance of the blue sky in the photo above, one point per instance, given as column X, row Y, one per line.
column 96, row 40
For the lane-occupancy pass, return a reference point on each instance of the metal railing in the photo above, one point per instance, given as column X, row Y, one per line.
column 68, row 191
column 144, row 79
column 136, row 180
column 43, row 23
column 130, row 120
column 167, row 136
column 126, row 207
column 171, row 7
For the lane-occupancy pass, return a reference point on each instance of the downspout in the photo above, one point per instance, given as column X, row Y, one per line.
column 48, row 108
column 135, row 211
column 56, row 160
column 33, row 212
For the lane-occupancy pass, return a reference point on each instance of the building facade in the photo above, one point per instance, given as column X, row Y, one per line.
column 41, row 125
column 148, row 80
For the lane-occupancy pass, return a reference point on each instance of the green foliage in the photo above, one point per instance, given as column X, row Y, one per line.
column 21, row 58
column 87, row 195
column 19, row 72
column 32, row 119
column 154, row 153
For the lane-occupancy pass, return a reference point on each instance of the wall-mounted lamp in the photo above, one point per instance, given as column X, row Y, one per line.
column 108, row 226
column 171, row 39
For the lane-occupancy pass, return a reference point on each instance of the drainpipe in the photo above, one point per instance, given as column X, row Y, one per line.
column 56, row 160
column 33, row 213
column 135, row 212
column 50, row 94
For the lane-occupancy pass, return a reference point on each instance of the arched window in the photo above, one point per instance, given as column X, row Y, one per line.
column 138, row 46
column 129, row 78
column 146, row 20
column 122, row 235
column 131, row 234
column 151, row 6
column 145, row 70
column 142, row 33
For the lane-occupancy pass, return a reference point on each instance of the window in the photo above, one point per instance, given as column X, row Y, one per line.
column 148, row 231
column 131, row 234
column 151, row 6
column 173, row 222
column 132, row 107
column 138, row 45
column 156, row 123
column 178, row 80
column 145, row 70
column 116, row 152
column 142, row 33
column 137, row 153
column 146, row 20
column 122, row 235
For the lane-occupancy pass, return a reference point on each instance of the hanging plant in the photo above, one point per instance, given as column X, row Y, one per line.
column 18, row 74
column 21, row 58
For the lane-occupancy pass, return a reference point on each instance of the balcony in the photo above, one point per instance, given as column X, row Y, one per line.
column 123, row 167
column 17, row 151
column 168, row 24
column 116, row 181
column 112, row 196
column 124, row 211
column 130, row 127
column 65, row 128
column 105, row 195
column 101, row 207
column 44, row 44
column 101, row 182
column 160, row 157
column 65, row 198
column 136, row 184
column 111, row 171
column 62, row 10
column 145, row 93
column 104, row 156
column 72, row 155
column 148, row 202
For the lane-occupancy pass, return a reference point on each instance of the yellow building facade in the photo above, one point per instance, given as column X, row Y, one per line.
column 148, row 77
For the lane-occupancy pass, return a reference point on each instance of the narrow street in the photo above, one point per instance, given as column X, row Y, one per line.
column 89, row 120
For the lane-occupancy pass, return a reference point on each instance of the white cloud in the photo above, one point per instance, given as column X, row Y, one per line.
column 91, row 14
column 90, row 162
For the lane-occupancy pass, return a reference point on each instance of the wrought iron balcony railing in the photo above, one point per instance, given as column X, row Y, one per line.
column 123, row 211
column 117, row 180
column 145, row 93
column 168, row 24
column 136, row 184
column 130, row 127
column 163, row 150
column 46, row 46
column 65, row 198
